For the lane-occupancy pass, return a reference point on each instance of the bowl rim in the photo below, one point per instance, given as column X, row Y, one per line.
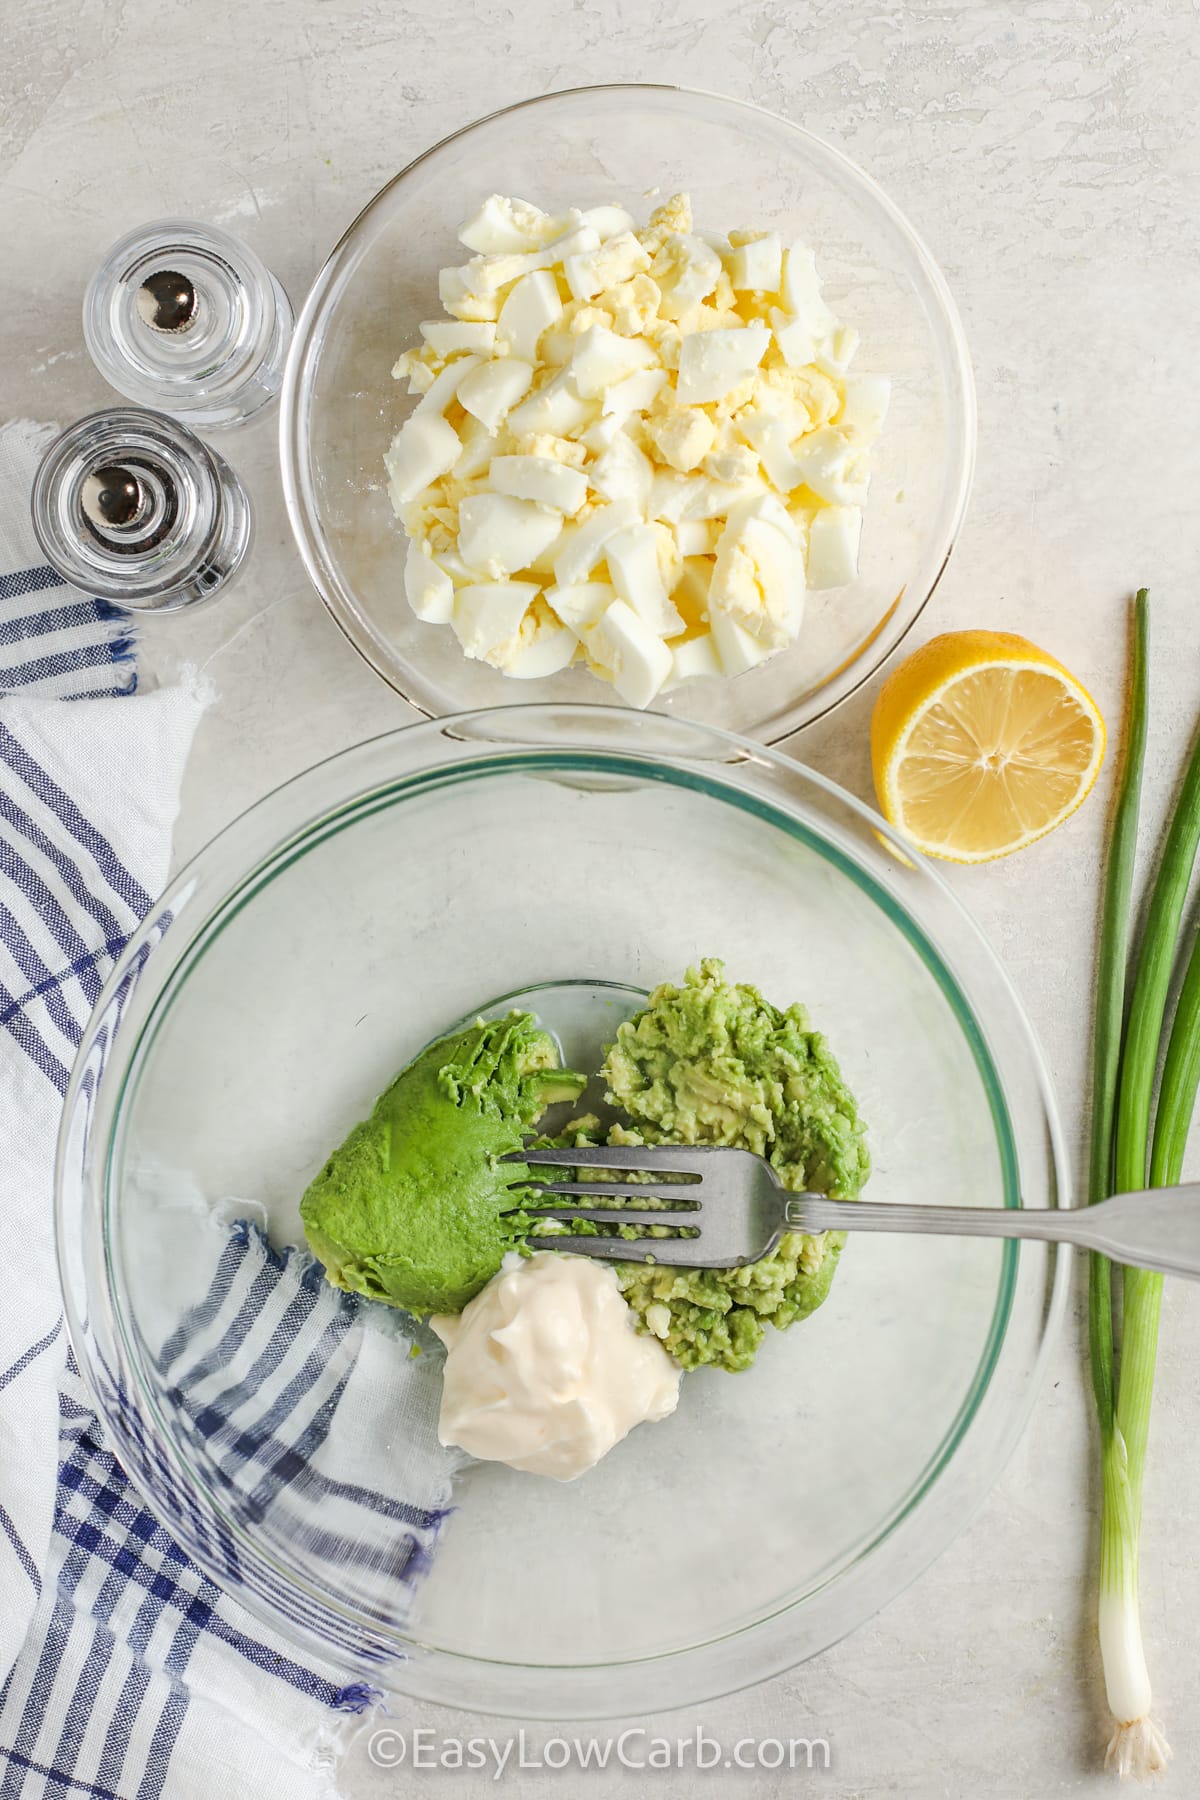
column 858, row 667
column 762, row 1646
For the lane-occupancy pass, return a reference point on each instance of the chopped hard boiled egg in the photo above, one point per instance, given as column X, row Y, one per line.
column 602, row 359
column 582, row 605
column 541, row 478
column 630, row 653
column 452, row 337
column 507, row 225
column 637, row 448
column 756, row 265
column 632, row 558
column 623, row 472
column 713, row 363
column 429, row 588
column 498, row 535
column 694, row 659
column 586, row 547
column 758, row 578
column 557, row 408
column 530, row 309
column 423, row 450
column 491, row 390
column 544, row 646
column 833, row 538
column 864, row 406
column 737, row 650
column 488, row 615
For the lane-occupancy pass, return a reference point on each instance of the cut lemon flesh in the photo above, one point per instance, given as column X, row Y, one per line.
column 981, row 743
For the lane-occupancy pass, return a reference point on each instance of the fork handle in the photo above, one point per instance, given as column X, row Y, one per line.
column 1157, row 1229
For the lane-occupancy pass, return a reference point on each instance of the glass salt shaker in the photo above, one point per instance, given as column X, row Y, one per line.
column 131, row 506
column 185, row 318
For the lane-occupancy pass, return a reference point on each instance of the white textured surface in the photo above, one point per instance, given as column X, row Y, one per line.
column 1048, row 154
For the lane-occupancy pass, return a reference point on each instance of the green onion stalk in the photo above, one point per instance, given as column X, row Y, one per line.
column 1127, row 1155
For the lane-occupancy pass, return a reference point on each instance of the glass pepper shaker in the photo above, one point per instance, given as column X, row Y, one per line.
column 131, row 506
column 184, row 318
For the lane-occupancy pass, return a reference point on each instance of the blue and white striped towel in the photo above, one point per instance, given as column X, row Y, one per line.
column 125, row 1671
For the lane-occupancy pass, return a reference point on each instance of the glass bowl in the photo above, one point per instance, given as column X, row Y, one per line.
column 314, row 947
column 340, row 407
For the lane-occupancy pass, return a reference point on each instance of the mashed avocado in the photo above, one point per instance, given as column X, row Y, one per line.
column 408, row 1209
column 712, row 1062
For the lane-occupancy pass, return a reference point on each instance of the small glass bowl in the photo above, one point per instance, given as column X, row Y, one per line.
column 742, row 166
column 314, row 947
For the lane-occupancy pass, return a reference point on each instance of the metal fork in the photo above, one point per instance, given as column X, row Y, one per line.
column 735, row 1210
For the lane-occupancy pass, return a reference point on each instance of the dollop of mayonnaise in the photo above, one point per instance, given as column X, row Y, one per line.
column 545, row 1370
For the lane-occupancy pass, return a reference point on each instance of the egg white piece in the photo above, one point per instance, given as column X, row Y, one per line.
column 623, row 472
column 694, row 660
column 461, row 298
column 608, row 221
column 454, row 337
column 587, row 545
column 632, row 558
column 429, row 588
column 833, row 540
column 453, row 565
column 795, row 340
column 635, row 658
column 865, row 407
column 498, row 535
column 602, row 359
column 833, row 468
column 758, row 581
column 590, row 272
column 771, row 431
column 507, row 225
column 687, row 270
column 490, row 391
column 582, row 605
column 488, row 614
column 736, row 650
column 757, row 267
column 633, row 395
column 557, row 408
column 801, row 291
column 531, row 308
column 711, row 363
column 696, row 537
column 444, row 387
column 541, row 479
column 478, row 449
column 423, row 450
column 549, row 647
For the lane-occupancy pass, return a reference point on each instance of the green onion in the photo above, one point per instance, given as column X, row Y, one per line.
column 1120, row 1158
column 1126, row 1678
column 1110, row 1004
column 1180, row 1080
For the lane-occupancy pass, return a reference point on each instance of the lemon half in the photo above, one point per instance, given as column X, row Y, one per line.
column 981, row 743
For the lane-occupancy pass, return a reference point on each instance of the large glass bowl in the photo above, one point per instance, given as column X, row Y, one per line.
column 741, row 165
column 361, row 910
